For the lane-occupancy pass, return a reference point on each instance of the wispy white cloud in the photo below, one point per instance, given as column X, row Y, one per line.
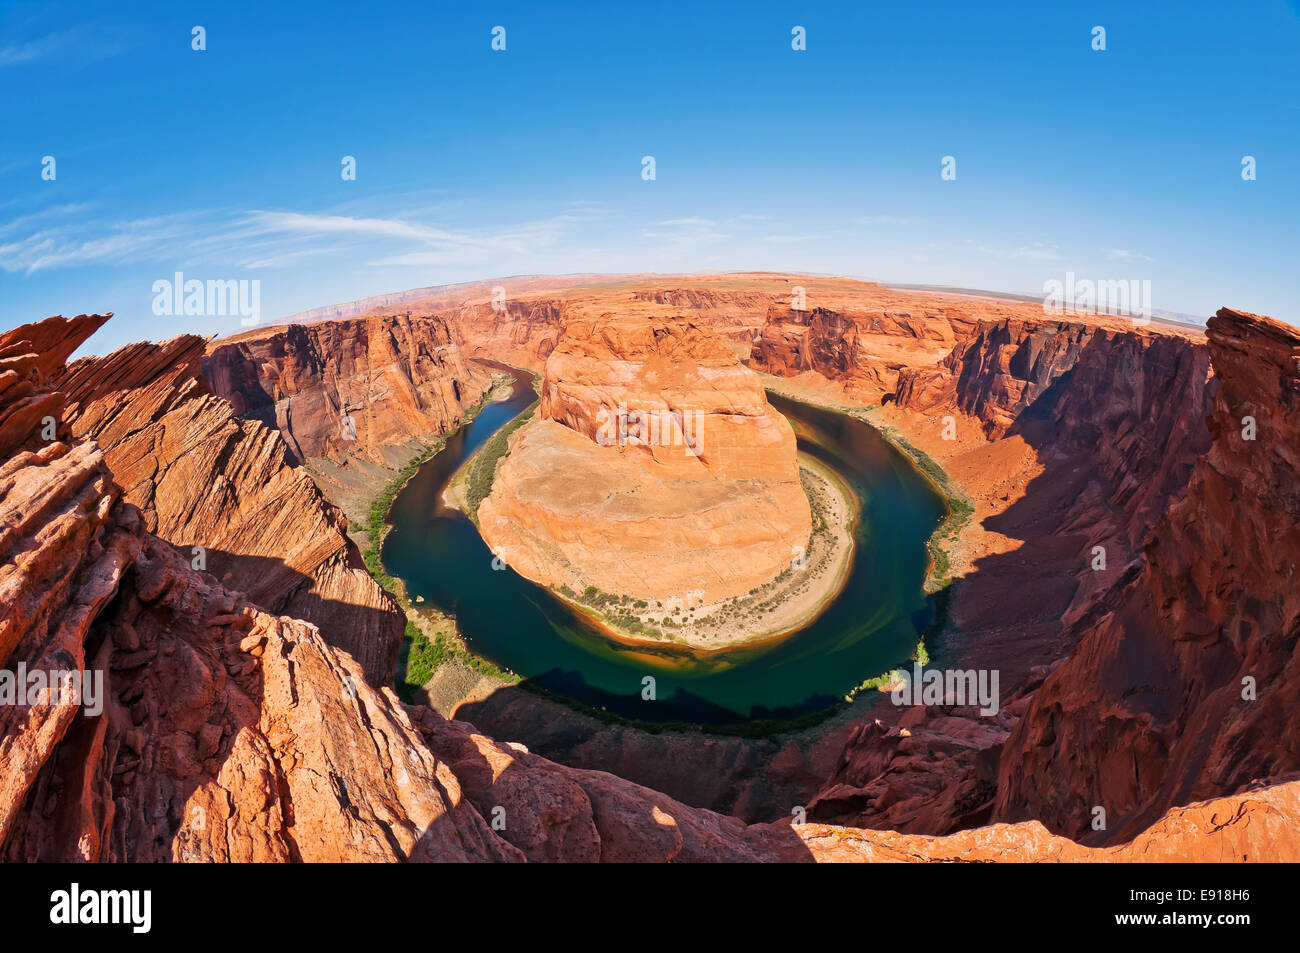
column 263, row 239
column 45, row 214
column 62, row 245
column 326, row 225
column 1123, row 254
column 79, row 45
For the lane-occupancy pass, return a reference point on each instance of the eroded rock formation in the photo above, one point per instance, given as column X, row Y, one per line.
column 369, row 387
column 203, row 478
column 1131, row 400
column 221, row 733
column 1187, row 686
column 863, row 352
column 1095, row 428
column 656, row 469
column 231, row 734
column 554, row 813
column 1178, row 684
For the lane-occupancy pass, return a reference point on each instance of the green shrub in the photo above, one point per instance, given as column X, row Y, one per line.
column 483, row 467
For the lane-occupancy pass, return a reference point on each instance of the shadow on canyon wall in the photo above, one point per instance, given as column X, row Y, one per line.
column 366, row 632
column 552, row 812
column 756, row 779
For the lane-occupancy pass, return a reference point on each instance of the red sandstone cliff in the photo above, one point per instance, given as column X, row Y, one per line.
column 369, row 387
column 1188, row 684
column 1129, row 400
column 1180, row 679
column 522, row 333
column 523, row 330
column 1103, row 425
column 225, row 733
column 203, row 478
column 862, row 352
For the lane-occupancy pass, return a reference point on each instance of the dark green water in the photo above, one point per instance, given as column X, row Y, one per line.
column 873, row 625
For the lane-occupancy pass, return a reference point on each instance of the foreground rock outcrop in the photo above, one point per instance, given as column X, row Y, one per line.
column 217, row 732
column 553, row 813
column 224, row 492
column 656, row 469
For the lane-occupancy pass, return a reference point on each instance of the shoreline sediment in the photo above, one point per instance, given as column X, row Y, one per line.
column 830, row 554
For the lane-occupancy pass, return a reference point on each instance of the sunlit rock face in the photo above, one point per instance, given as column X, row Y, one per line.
column 366, row 386
column 656, row 469
column 223, row 490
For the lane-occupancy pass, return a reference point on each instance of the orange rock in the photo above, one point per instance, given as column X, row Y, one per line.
column 204, row 478
column 341, row 388
column 207, row 750
column 657, row 469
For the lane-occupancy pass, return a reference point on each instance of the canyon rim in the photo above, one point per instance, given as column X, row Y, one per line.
column 542, row 435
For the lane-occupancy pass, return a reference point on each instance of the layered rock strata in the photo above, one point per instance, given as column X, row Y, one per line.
column 1131, row 400
column 367, row 387
column 1176, row 686
column 1187, row 685
column 224, row 492
column 862, row 352
column 1072, row 439
column 656, row 469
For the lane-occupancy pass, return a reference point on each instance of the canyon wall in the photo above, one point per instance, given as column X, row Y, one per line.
column 371, row 387
column 656, row 468
column 202, row 477
column 861, row 352
column 522, row 334
column 998, row 370
column 523, row 331
column 1188, row 684
column 1072, row 440
column 1129, row 400
column 1180, row 677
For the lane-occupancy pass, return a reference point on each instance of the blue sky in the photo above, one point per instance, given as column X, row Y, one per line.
column 225, row 164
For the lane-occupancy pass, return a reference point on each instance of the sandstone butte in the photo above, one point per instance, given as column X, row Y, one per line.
column 231, row 732
column 655, row 469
